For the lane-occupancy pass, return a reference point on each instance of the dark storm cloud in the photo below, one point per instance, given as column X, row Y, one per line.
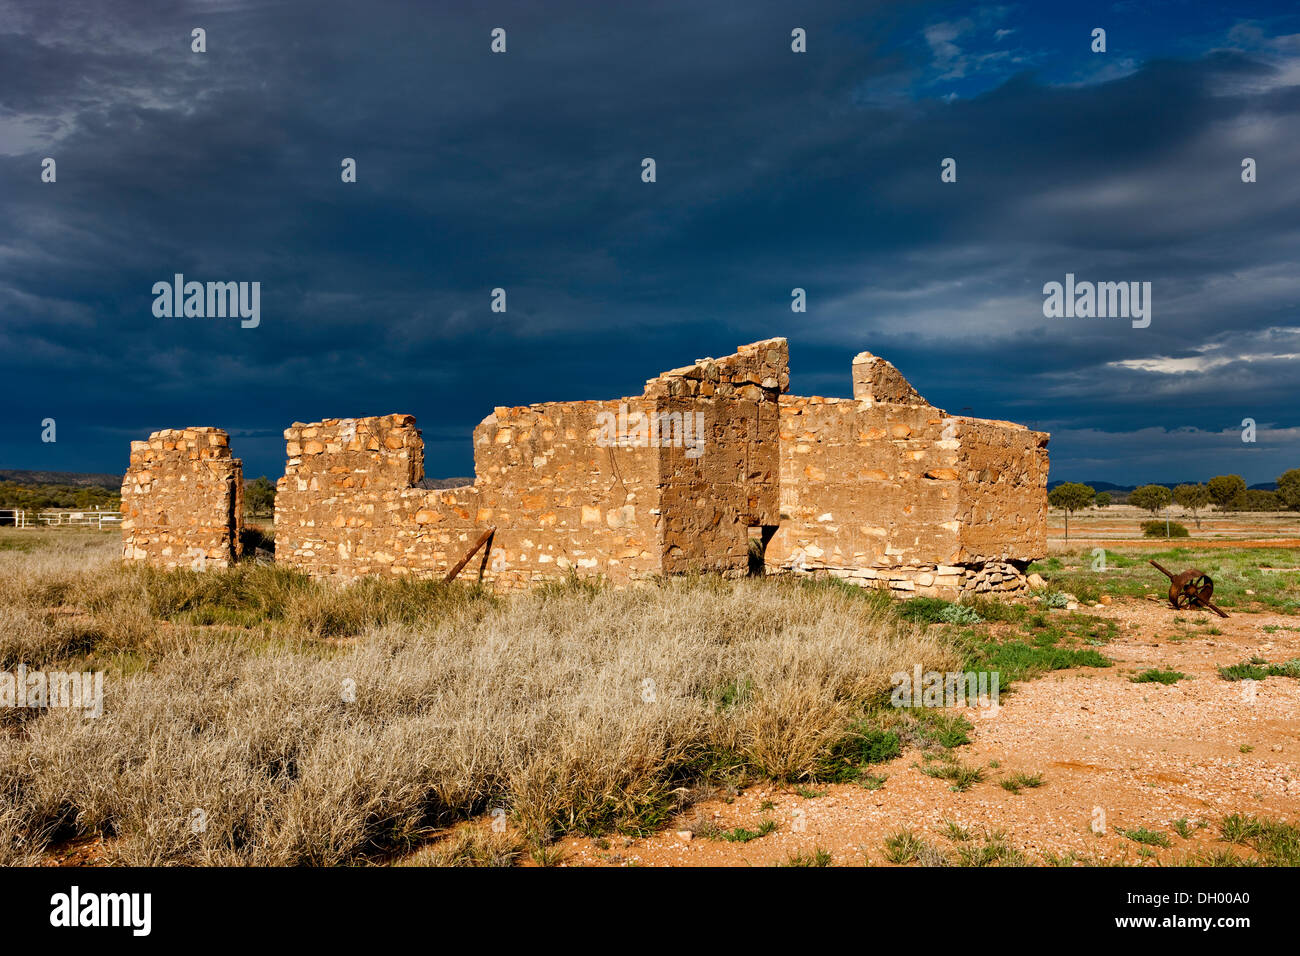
column 522, row 171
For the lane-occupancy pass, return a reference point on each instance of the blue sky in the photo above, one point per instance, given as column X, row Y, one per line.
column 775, row 170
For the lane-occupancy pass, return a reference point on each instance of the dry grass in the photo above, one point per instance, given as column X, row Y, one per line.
column 572, row 709
column 469, row 846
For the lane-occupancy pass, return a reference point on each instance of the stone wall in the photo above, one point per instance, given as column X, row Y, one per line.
column 883, row 489
column 1002, row 468
column 664, row 482
column 709, row 501
column 183, row 500
column 888, row 491
column 562, row 496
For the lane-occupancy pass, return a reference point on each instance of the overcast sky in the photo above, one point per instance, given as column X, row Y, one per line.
column 775, row 170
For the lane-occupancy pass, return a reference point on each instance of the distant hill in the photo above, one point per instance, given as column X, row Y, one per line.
column 77, row 479
column 439, row 483
column 1096, row 485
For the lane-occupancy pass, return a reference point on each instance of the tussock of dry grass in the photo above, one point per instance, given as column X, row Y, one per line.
column 469, row 846
column 569, row 709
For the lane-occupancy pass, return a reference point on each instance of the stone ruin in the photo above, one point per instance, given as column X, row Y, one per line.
column 183, row 500
column 713, row 468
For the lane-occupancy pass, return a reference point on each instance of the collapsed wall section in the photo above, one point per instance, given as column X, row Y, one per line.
column 183, row 500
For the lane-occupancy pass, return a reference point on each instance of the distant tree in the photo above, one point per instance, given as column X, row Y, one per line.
column 1288, row 488
column 1152, row 498
column 259, row 496
column 1103, row 499
column 40, row 497
column 1258, row 499
column 1224, row 488
column 1192, row 498
column 1070, row 497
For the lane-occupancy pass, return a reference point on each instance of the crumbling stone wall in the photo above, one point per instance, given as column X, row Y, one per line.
column 883, row 489
column 183, row 500
column 557, row 499
column 1002, row 468
column 888, row 491
column 708, row 502
column 560, row 493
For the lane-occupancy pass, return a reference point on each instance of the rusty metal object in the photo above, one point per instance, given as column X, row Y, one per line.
column 1192, row 588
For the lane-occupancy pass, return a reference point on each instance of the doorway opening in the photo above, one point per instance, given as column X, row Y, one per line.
column 759, row 536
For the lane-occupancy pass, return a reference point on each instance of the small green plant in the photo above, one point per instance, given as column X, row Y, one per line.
column 1244, row 671
column 903, row 847
column 955, row 832
column 742, row 835
column 1258, row 669
column 1016, row 660
column 862, row 745
column 1276, row 842
column 992, row 609
column 818, row 857
column 961, row 776
column 936, row 611
column 1182, row 828
column 809, row 794
column 936, row 728
column 1154, row 675
column 1144, row 836
column 991, row 849
column 871, row 781
column 1020, row 781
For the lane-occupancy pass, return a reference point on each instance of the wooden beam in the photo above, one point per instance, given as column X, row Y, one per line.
column 484, row 538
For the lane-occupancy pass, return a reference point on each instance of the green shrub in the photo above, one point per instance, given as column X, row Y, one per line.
column 1258, row 669
column 1157, row 529
column 924, row 610
column 848, row 758
column 1154, row 675
column 959, row 614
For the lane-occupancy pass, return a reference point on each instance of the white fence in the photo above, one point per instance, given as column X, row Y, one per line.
column 26, row 518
